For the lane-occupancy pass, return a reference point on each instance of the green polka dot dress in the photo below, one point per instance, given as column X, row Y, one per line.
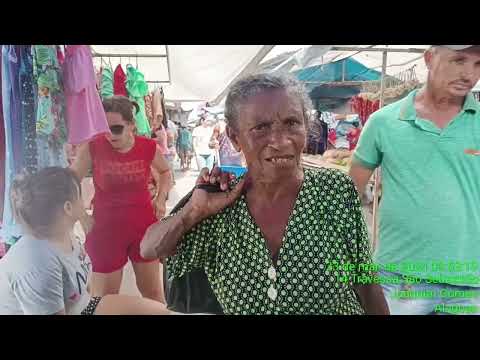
column 326, row 226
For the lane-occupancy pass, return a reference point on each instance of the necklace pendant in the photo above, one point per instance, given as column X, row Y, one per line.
column 272, row 293
column 272, row 273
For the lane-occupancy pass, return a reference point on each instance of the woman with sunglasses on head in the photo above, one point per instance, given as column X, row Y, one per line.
column 46, row 272
column 123, row 210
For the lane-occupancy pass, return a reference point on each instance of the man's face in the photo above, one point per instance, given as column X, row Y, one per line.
column 453, row 72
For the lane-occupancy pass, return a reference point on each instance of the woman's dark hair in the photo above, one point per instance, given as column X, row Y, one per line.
column 37, row 198
column 122, row 105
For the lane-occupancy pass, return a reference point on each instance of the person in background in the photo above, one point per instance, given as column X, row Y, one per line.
column 428, row 145
column 282, row 239
column 172, row 135
column 228, row 156
column 46, row 272
column 122, row 210
column 185, row 147
column 215, row 144
column 201, row 144
column 159, row 134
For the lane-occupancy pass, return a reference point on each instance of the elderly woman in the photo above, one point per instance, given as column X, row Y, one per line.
column 283, row 239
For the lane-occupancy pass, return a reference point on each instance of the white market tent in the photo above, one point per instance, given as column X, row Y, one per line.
column 203, row 72
column 186, row 72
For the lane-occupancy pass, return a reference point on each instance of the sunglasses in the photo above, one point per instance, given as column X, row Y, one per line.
column 116, row 129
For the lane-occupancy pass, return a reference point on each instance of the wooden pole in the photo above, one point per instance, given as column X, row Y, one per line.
column 377, row 171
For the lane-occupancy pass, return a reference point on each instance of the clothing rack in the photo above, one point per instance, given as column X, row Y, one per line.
column 137, row 56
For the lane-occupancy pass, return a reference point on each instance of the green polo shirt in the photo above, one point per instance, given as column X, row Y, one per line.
column 429, row 214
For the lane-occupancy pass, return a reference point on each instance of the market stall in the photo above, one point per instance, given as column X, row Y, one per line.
column 52, row 97
column 49, row 100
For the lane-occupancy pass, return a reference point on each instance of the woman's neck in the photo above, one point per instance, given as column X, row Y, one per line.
column 271, row 191
column 129, row 146
column 60, row 237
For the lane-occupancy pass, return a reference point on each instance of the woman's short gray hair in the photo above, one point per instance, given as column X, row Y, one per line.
column 252, row 85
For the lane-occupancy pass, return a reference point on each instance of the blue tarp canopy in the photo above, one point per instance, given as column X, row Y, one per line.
column 316, row 79
column 331, row 72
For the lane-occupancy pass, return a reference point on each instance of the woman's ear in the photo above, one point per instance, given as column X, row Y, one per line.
column 233, row 136
column 68, row 208
column 133, row 127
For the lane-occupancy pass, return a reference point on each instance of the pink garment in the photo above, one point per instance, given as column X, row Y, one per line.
column 60, row 56
column 98, row 75
column 86, row 118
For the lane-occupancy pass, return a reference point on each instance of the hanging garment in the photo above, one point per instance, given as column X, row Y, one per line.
column 15, row 108
column 10, row 231
column 51, row 130
column 119, row 79
column 3, row 251
column 27, row 100
column 2, row 150
column 364, row 107
column 157, row 107
column 137, row 89
column 149, row 111
column 98, row 78
column 85, row 115
column 107, row 83
column 50, row 152
column 60, row 56
column 46, row 70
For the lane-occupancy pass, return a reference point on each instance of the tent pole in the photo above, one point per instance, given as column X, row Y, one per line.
column 377, row 171
column 168, row 65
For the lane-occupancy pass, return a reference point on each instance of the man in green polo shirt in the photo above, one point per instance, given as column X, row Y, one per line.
column 428, row 145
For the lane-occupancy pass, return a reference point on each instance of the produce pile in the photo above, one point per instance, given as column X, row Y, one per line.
column 334, row 159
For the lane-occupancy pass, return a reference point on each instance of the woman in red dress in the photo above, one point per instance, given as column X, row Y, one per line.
column 122, row 206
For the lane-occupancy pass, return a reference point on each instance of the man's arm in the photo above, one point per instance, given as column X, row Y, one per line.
column 372, row 299
column 360, row 176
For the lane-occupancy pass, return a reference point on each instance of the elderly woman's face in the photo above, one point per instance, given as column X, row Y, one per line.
column 271, row 133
